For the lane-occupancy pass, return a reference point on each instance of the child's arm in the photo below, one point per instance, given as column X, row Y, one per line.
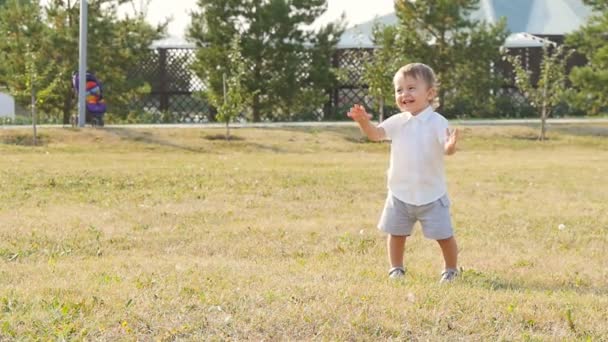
column 450, row 142
column 358, row 113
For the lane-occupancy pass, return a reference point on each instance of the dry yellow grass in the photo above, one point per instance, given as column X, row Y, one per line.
column 144, row 234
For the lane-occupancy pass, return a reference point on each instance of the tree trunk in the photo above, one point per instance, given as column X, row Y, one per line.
column 256, row 108
column 34, row 114
column 543, row 114
column 212, row 114
column 381, row 111
column 439, row 73
column 439, row 100
column 67, row 107
column 257, row 115
column 543, row 120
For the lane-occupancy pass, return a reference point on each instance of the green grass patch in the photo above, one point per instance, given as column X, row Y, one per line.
column 167, row 234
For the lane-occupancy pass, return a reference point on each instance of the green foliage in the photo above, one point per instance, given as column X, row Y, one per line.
column 513, row 105
column 20, row 23
column 549, row 91
column 233, row 100
column 379, row 70
column 289, row 67
column 161, row 234
column 115, row 48
column 551, row 82
column 591, row 80
column 598, row 5
column 462, row 52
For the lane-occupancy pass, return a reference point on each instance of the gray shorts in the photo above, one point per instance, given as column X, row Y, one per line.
column 398, row 218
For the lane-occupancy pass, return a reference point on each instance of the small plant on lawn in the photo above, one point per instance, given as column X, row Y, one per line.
column 234, row 99
column 548, row 92
column 379, row 70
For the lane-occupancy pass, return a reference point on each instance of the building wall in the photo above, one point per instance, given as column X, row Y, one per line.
column 7, row 106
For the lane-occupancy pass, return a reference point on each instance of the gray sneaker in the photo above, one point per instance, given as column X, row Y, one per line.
column 449, row 275
column 396, row 273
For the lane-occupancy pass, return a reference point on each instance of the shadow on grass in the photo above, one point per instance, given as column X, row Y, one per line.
column 350, row 134
column 22, row 139
column 583, row 130
column 240, row 142
column 216, row 142
column 149, row 138
column 529, row 137
column 223, row 137
column 268, row 148
column 496, row 283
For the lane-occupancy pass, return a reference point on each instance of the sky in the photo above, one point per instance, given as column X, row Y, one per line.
column 356, row 11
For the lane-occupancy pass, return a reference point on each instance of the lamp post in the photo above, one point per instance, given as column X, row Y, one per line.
column 82, row 64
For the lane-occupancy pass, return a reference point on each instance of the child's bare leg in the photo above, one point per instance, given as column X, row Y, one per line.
column 396, row 248
column 450, row 252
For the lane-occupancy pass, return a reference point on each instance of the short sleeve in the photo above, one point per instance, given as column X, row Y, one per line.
column 441, row 127
column 390, row 126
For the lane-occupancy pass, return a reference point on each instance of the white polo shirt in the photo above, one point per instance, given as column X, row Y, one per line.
column 416, row 173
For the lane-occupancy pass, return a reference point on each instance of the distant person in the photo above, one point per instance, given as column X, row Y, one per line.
column 95, row 102
column 417, row 189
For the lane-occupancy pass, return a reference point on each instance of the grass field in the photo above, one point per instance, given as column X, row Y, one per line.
column 172, row 234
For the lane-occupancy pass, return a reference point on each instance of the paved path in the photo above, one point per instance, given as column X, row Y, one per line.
column 456, row 122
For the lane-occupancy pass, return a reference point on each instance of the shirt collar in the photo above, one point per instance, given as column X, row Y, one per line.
column 423, row 116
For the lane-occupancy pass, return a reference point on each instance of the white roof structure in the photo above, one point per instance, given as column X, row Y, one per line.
column 524, row 17
column 525, row 40
column 172, row 42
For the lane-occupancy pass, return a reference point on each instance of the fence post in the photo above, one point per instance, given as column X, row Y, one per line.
column 335, row 93
column 162, row 87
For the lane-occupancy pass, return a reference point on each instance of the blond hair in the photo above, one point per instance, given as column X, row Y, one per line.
column 417, row 71
column 422, row 72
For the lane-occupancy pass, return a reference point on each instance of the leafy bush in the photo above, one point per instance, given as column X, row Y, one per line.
column 512, row 104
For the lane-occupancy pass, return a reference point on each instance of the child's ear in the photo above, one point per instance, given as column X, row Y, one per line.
column 432, row 93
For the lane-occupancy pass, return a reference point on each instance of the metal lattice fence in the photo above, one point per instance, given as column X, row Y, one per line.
column 175, row 86
column 352, row 88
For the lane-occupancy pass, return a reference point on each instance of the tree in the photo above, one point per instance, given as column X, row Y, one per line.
column 29, row 72
column 289, row 67
column 31, row 80
column 233, row 99
column 115, row 46
column 591, row 80
column 462, row 52
column 549, row 90
column 379, row 70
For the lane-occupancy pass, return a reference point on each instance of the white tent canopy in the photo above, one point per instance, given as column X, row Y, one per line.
column 172, row 42
column 357, row 38
column 525, row 40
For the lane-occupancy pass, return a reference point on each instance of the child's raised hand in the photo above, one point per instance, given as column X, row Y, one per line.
column 451, row 137
column 358, row 113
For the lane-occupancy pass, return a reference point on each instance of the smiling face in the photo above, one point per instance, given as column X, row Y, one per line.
column 413, row 94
